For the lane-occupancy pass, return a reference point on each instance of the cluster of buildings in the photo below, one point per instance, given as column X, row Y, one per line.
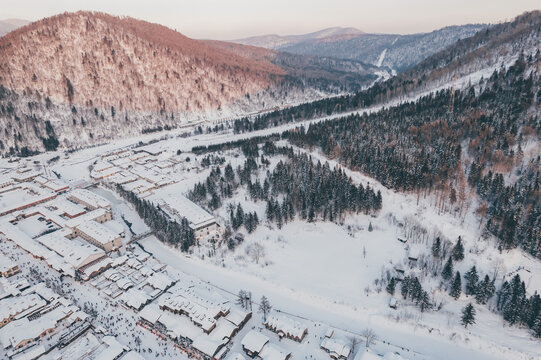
column 94, row 344
column 200, row 321
column 140, row 170
column 135, row 278
column 35, row 319
column 72, row 230
column 143, row 170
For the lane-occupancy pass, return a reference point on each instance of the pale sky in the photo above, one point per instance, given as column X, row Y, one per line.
column 230, row 19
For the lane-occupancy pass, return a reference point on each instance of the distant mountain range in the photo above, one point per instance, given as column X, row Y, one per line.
column 8, row 25
column 274, row 41
column 397, row 52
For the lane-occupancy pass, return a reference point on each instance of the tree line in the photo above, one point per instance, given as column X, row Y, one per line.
column 296, row 187
column 168, row 230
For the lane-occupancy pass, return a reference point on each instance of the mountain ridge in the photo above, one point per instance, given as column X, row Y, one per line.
column 369, row 47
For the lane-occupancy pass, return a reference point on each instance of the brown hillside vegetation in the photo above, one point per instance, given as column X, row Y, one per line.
column 99, row 60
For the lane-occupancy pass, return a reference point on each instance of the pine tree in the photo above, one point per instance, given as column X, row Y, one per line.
column 456, row 286
column 391, row 286
column 468, row 315
column 447, row 271
column 537, row 326
column 436, row 248
column 458, row 250
column 424, row 301
column 405, row 287
column 264, row 307
column 370, row 228
column 270, row 210
column 472, row 278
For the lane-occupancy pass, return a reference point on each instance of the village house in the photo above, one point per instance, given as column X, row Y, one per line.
column 253, row 343
column 286, row 327
column 337, row 348
column 203, row 224
column 98, row 235
column 90, row 200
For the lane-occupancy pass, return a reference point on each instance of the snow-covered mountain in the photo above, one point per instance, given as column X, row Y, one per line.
column 398, row 52
column 87, row 77
column 274, row 41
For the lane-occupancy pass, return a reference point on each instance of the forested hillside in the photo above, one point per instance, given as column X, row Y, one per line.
column 467, row 59
column 489, row 135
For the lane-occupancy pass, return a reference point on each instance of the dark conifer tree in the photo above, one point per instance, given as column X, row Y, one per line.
column 458, row 250
column 391, row 286
column 472, row 278
column 468, row 315
column 447, row 271
column 456, row 286
column 436, row 247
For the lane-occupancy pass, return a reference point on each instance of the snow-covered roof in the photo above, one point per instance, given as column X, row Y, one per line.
column 202, row 309
column 254, row 341
column 43, row 291
column 237, row 316
column 180, row 326
column 103, row 263
column 150, row 313
column 124, row 283
column 195, row 215
column 336, row 346
column 56, row 185
column 206, row 345
column 119, row 260
column 91, row 215
column 20, row 304
column 34, row 353
column 135, row 298
column 105, row 172
column 13, row 233
column 75, row 252
column 122, row 178
column 89, row 198
column 98, row 232
column 274, row 352
column 223, row 331
column 287, row 325
column 134, row 263
column 24, row 174
column 114, row 226
column 6, row 263
column 160, row 281
column 35, row 225
column 415, row 251
column 23, row 196
column 67, row 207
column 113, row 351
column 17, row 331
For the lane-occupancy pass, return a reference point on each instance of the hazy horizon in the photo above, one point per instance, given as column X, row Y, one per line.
column 212, row 19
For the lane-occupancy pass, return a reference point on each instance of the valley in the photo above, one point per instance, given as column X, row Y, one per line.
column 333, row 195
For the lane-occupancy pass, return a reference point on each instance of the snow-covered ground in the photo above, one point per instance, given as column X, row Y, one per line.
column 323, row 273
